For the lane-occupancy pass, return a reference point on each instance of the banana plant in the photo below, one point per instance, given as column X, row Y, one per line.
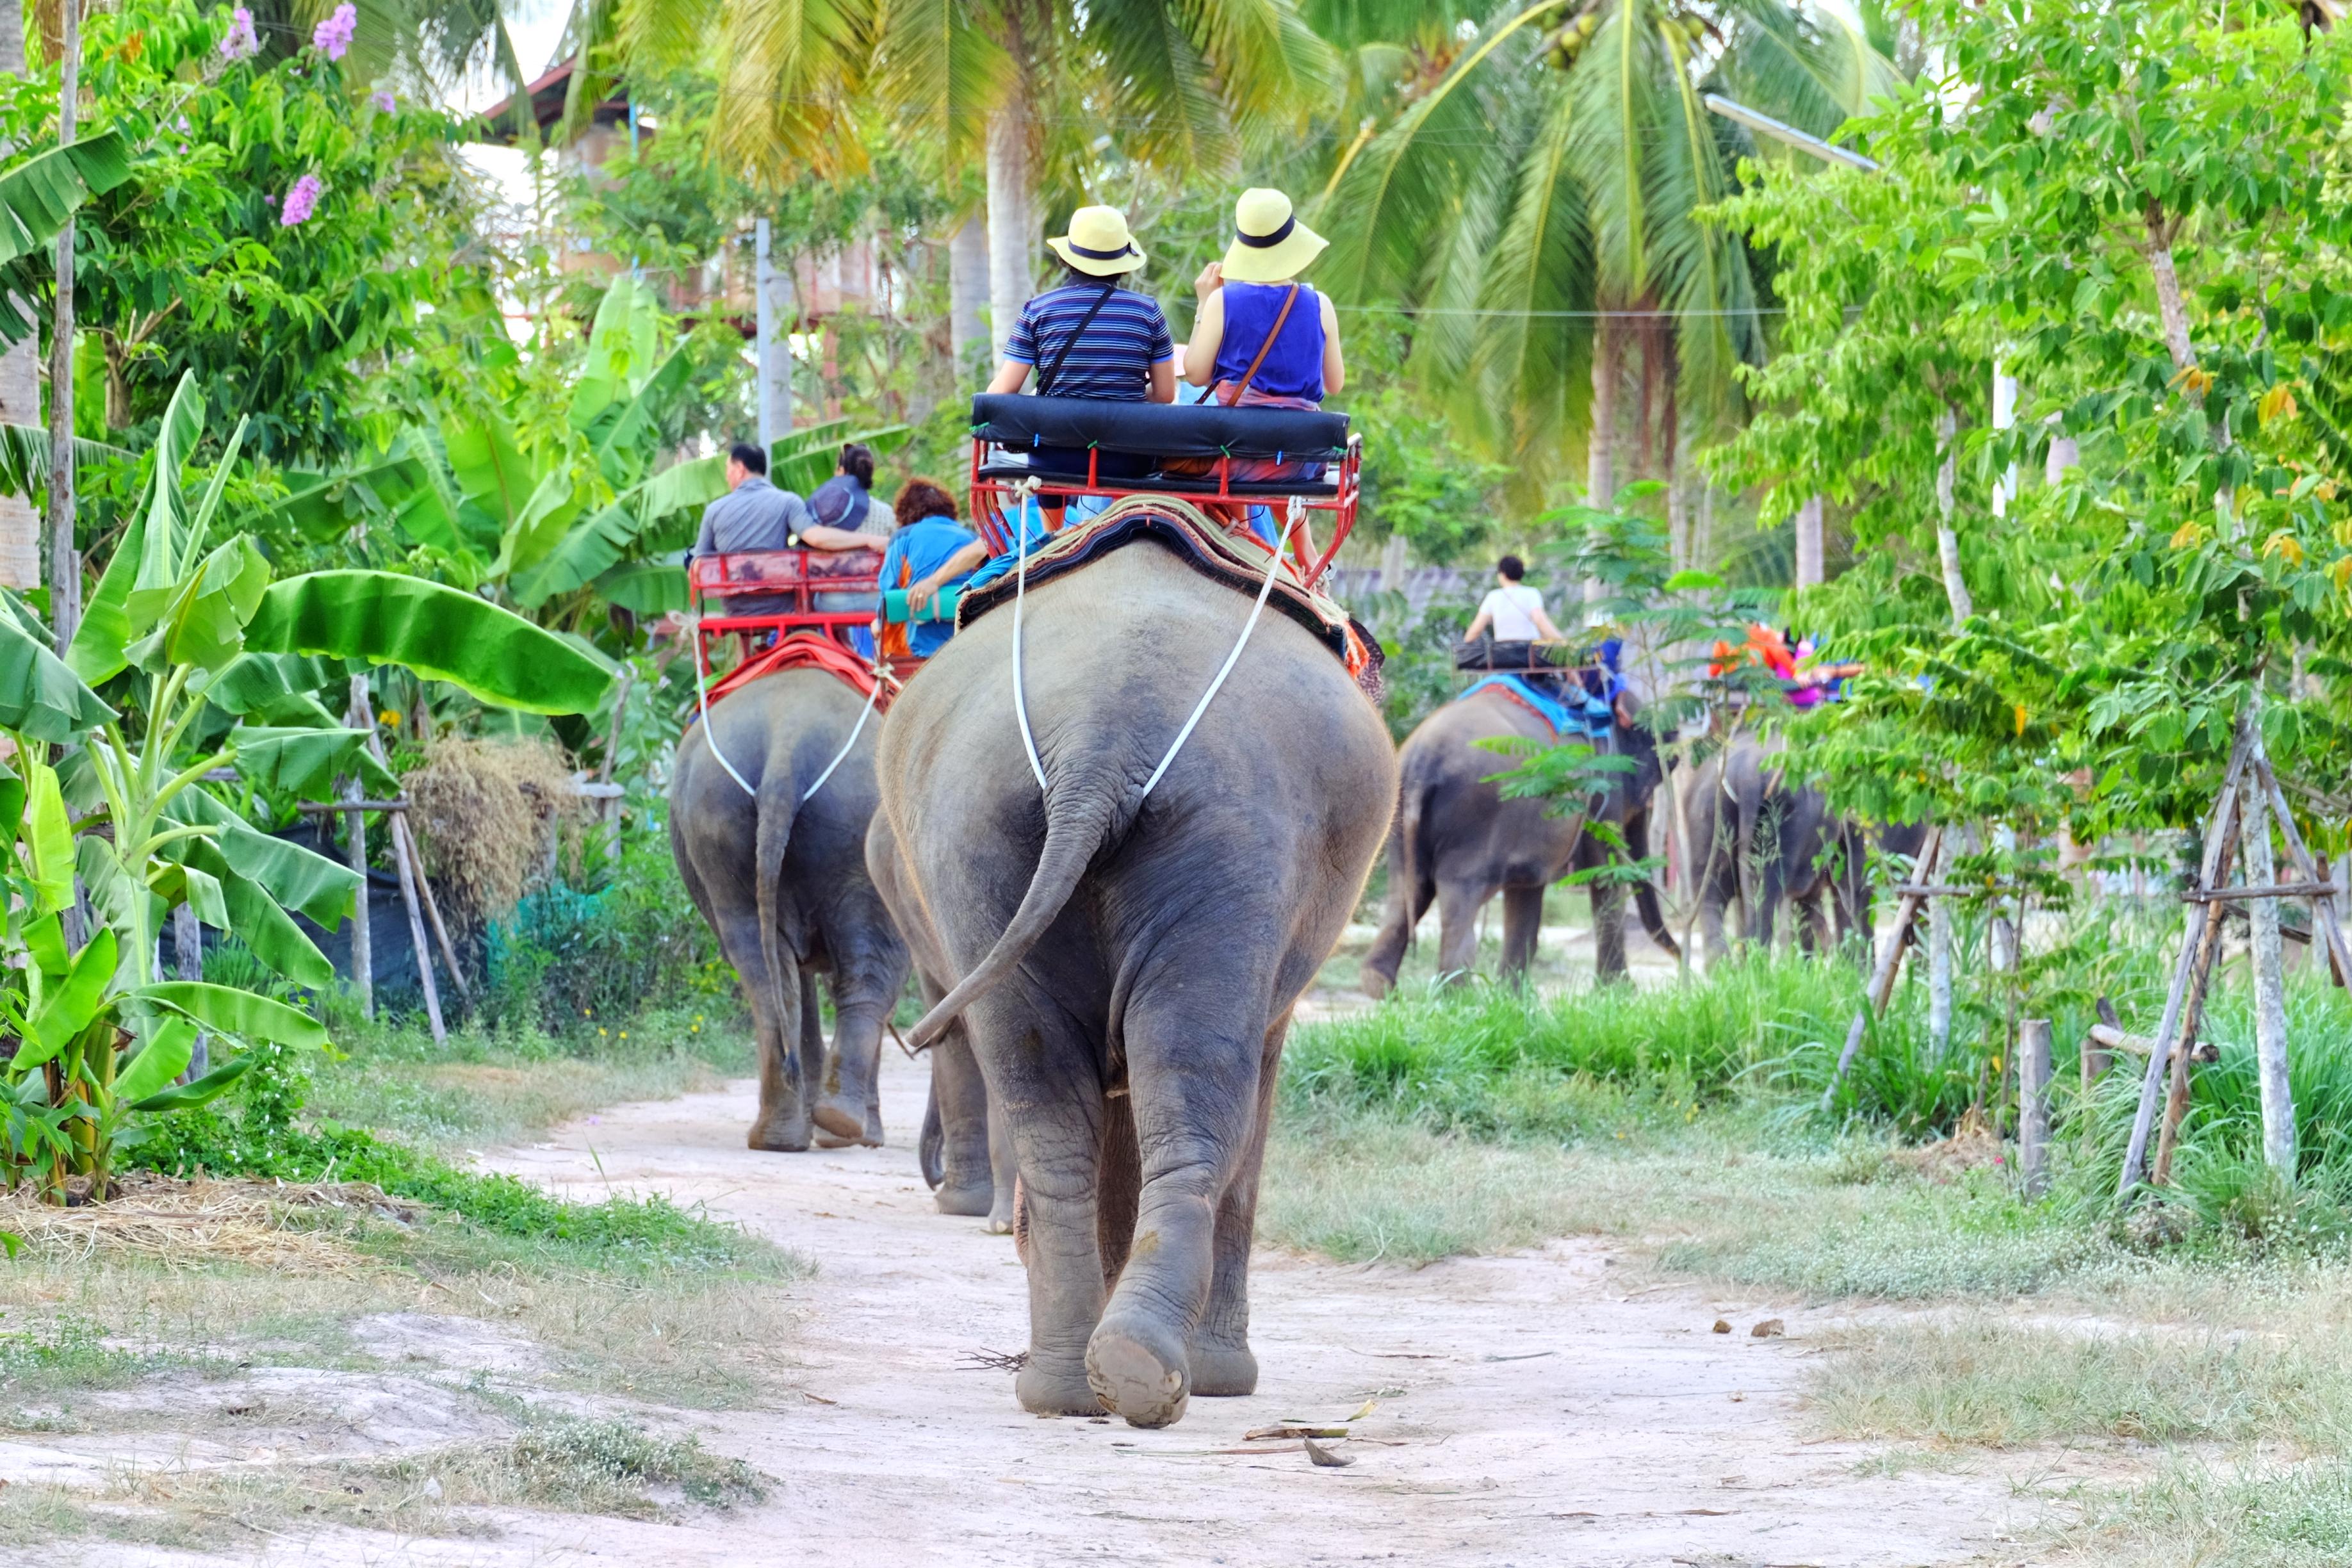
column 539, row 519
column 208, row 670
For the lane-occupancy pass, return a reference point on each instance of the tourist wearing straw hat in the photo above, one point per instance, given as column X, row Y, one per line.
column 1260, row 335
column 1087, row 336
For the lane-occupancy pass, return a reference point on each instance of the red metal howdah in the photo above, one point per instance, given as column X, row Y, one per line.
column 785, row 583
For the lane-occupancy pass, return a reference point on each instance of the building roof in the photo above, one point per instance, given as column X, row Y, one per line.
column 547, row 95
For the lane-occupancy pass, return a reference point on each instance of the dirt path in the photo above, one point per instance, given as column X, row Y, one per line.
column 1531, row 1410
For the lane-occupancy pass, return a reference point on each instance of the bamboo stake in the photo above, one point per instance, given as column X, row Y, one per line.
column 2176, row 1101
column 2200, row 920
column 409, row 874
column 433, row 910
column 2033, row 1104
column 2323, row 905
column 1882, row 977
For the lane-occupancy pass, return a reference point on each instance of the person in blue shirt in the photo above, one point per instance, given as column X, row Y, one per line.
column 924, row 554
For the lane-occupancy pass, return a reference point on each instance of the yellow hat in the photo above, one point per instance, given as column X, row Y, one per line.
column 1098, row 243
column 1270, row 244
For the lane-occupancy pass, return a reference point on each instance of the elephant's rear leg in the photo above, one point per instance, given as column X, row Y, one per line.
column 781, row 1122
column 1408, row 898
column 1522, row 924
column 967, row 1181
column 1193, row 1058
column 1458, row 904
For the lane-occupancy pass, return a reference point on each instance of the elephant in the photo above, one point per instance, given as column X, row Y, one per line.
column 1129, row 957
column 782, row 882
column 1457, row 841
column 1757, row 842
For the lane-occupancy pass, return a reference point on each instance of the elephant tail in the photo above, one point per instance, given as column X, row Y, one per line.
column 777, row 801
column 1079, row 819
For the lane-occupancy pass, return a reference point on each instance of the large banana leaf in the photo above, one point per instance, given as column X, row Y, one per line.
column 142, row 575
column 71, row 1005
column 234, row 1012
column 382, row 618
column 242, row 906
column 305, row 761
column 204, row 623
column 621, row 449
column 645, row 588
column 621, row 347
column 25, row 457
column 163, row 1058
column 538, row 527
column 803, row 470
column 41, row 698
column 321, row 889
column 49, row 838
column 594, row 547
column 40, row 194
column 276, row 686
column 491, row 470
column 405, row 481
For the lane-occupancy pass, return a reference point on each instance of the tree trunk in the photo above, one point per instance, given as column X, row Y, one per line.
column 1012, row 221
column 1939, row 975
column 773, row 289
column 2170, row 306
column 363, row 939
column 20, row 382
column 2004, row 416
column 1599, row 456
column 968, row 293
column 1809, row 543
column 1948, row 540
column 2270, row 991
column 2065, row 453
column 65, row 562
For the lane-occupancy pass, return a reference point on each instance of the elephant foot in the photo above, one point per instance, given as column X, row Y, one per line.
column 1046, row 1390
column 1224, row 1371
column 970, row 1202
column 1375, row 984
column 778, row 1136
column 1139, row 1370
column 841, row 1122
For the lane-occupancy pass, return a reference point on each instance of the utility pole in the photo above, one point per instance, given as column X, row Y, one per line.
column 775, row 291
column 65, row 562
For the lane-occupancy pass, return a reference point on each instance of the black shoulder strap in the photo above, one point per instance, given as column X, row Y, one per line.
column 1046, row 378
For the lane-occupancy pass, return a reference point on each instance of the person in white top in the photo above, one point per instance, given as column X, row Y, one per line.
column 1512, row 609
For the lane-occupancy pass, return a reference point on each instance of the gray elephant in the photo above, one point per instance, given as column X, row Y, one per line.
column 1458, row 842
column 782, row 882
column 1129, row 963
column 1756, row 842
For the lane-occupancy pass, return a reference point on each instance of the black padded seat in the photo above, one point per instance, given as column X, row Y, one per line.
column 1159, row 430
column 1174, row 484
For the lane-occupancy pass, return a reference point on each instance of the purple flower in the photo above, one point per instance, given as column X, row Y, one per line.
column 334, row 36
column 385, row 102
column 242, row 42
column 301, row 201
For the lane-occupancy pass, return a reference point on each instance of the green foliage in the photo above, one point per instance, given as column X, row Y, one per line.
column 1420, row 481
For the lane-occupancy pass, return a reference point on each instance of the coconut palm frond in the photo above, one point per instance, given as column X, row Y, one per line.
column 939, row 71
column 1273, row 66
column 1168, row 86
column 1530, row 357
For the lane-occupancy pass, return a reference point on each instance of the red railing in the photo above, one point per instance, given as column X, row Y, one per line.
column 787, row 583
column 992, row 495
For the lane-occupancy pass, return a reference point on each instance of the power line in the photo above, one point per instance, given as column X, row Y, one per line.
column 1564, row 315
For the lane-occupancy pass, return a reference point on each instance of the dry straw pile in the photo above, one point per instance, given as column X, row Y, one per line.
column 487, row 814
column 286, row 1226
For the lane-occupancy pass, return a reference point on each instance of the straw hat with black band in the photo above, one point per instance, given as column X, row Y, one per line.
column 1270, row 244
column 1099, row 243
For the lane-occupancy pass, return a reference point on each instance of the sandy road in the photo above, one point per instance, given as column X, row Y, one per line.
column 1531, row 1410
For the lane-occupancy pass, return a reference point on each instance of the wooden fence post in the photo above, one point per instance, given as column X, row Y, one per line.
column 1882, row 978
column 2033, row 1105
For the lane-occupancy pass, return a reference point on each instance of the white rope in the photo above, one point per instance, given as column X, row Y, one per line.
column 1025, row 492
column 1266, row 590
column 863, row 714
column 702, row 697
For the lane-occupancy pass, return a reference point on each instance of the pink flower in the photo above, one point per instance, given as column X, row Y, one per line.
column 334, row 36
column 385, row 102
column 301, row 201
column 242, row 42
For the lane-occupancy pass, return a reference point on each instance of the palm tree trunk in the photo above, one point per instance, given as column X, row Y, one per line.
column 1600, row 458
column 65, row 563
column 1809, row 543
column 1012, row 221
column 20, row 382
column 967, row 290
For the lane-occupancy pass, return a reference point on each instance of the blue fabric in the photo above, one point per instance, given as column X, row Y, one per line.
column 1580, row 715
column 1113, row 361
column 1293, row 366
column 921, row 548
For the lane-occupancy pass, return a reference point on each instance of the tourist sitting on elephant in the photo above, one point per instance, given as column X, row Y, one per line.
column 1260, row 338
column 922, row 559
column 1511, row 610
column 752, row 516
column 842, row 513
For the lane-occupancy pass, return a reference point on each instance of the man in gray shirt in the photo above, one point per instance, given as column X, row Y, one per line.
column 753, row 514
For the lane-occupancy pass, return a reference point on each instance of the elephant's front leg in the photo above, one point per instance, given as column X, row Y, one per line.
column 1408, row 901
column 966, row 1186
column 1223, row 1362
column 1458, row 904
column 1049, row 1093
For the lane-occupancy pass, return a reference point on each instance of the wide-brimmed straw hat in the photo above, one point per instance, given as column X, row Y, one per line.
column 1270, row 244
column 1099, row 243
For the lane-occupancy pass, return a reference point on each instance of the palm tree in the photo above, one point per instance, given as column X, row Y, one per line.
column 1541, row 205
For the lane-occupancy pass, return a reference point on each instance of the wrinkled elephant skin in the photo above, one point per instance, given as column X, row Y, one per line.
column 783, row 884
column 1458, row 842
column 1128, row 964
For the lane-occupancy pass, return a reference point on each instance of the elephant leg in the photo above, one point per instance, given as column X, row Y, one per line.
column 1222, row 1363
column 1194, row 1059
column 1004, row 1168
column 1522, row 920
column 1458, row 904
column 850, row 1106
column 1119, row 1187
column 1406, row 906
column 1044, row 1077
column 817, row 1064
column 1812, row 923
column 781, row 1122
column 966, row 1184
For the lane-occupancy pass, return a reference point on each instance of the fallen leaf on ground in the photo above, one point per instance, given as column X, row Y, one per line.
column 1769, row 1329
column 1293, row 1429
column 1721, row 1327
column 1530, row 1355
column 1323, row 1455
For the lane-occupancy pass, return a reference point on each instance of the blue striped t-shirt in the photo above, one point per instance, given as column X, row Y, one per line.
column 1113, row 361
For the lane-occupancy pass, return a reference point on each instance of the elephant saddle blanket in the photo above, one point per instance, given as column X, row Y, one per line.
column 807, row 650
column 1229, row 555
column 1569, row 712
